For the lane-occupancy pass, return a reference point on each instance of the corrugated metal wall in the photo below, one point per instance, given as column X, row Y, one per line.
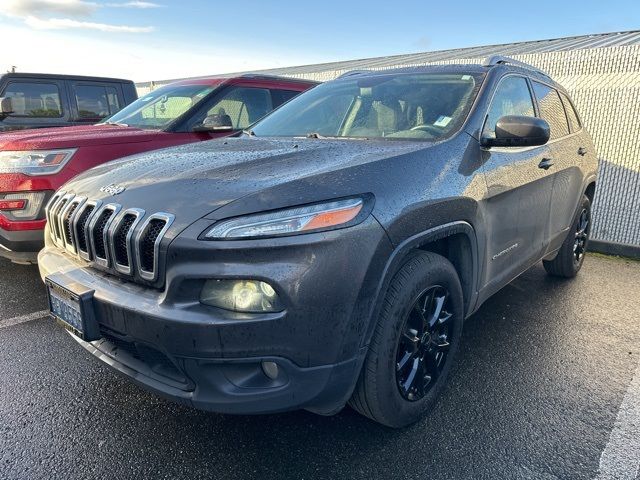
column 604, row 82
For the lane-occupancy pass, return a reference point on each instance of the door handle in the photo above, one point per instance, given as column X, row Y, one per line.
column 582, row 151
column 546, row 163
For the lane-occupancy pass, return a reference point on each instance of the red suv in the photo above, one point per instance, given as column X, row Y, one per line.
column 35, row 163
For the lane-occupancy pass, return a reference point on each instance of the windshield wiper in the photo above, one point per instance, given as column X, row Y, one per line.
column 119, row 124
column 249, row 132
column 314, row 135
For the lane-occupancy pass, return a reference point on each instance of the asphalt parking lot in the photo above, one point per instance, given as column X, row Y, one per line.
column 547, row 386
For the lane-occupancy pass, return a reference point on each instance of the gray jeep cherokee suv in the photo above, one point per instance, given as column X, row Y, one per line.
column 330, row 254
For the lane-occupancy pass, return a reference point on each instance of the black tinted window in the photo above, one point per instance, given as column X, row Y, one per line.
column 34, row 99
column 551, row 110
column 574, row 122
column 95, row 101
column 243, row 105
column 282, row 96
column 512, row 97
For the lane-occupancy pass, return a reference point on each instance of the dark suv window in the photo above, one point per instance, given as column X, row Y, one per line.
column 574, row 122
column 34, row 99
column 512, row 97
column 551, row 110
column 96, row 101
column 244, row 105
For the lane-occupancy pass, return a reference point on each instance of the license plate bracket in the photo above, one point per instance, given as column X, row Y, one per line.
column 72, row 307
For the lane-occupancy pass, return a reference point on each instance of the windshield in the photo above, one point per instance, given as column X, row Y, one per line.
column 425, row 106
column 159, row 108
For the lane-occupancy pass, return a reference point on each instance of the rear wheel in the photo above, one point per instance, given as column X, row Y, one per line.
column 570, row 257
column 414, row 343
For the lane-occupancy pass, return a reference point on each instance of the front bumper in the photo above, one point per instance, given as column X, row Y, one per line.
column 211, row 358
column 21, row 245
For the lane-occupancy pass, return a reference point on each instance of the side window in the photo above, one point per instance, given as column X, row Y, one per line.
column 34, row 99
column 282, row 96
column 574, row 121
column 95, row 102
column 551, row 110
column 243, row 105
column 512, row 97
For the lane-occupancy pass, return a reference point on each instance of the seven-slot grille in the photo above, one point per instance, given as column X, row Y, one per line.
column 126, row 241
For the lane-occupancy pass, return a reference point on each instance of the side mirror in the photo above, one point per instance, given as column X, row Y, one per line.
column 220, row 122
column 518, row 131
column 6, row 105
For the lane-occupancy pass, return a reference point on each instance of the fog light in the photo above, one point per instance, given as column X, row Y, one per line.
column 270, row 369
column 252, row 296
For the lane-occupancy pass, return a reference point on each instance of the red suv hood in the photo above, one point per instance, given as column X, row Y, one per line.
column 70, row 137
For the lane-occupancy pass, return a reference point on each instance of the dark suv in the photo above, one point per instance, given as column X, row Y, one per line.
column 330, row 254
column 38, row 100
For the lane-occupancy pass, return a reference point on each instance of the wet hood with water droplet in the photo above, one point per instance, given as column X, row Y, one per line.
column 192, row 181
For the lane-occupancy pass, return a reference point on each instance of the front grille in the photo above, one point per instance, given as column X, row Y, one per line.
column 66, row 222
column 120, row 248
column 81, row 236
column 98, row 234
column 148, row 244
column 124, row 242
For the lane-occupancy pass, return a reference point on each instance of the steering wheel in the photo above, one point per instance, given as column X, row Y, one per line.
column 428, row 128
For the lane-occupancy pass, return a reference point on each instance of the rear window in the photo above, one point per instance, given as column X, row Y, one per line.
column 574, row 121
column 96, row 102
column 34, row 99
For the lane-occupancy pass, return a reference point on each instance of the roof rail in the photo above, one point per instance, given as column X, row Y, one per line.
column 494, row 60
column 354, row 72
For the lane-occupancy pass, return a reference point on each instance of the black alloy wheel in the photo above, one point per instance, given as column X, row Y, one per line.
column 424, row 345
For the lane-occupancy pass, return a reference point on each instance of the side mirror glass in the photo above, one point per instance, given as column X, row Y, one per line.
column 219, row 122
column 6, row 105
column 518, row 131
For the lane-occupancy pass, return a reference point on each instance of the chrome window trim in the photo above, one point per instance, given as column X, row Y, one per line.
column 115, row 208
column 139, row 214
column 96, row 205
column 168, row 218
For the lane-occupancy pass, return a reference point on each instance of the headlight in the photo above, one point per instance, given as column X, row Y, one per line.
column 290, row 221
column 241, row 296
column 35, row 162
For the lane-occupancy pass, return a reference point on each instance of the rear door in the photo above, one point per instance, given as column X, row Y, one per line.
column 566, row 144
column 36, row 103
column 519, row 191
column 92, row 102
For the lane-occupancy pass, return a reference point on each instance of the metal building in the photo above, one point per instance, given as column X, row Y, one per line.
column 602, row 74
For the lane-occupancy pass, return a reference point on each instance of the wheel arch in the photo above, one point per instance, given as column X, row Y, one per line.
column 455, row 241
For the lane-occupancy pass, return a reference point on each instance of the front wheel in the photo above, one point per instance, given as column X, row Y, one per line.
column 570, row 257
column 414, row 343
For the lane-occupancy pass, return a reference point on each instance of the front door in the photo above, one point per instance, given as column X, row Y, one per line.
column 519, row 191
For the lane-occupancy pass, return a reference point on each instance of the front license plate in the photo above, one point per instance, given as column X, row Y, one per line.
column 73, row 309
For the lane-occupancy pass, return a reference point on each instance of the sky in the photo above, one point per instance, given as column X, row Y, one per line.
column 165, row 39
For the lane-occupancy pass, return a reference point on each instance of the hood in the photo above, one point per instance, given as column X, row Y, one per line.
column 73, row 137
column 191, row 181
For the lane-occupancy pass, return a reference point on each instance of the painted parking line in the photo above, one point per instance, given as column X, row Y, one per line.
column 23, row 318
column 620, row 459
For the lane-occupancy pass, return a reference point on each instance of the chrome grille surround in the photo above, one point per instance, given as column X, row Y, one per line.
column 95, row 232
column 101, row 233
column 151, row 275
column 127, row 268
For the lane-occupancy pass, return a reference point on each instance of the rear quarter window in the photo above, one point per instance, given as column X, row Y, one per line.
column 572, row 116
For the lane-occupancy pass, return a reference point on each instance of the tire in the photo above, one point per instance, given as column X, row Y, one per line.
column 570, row 257
column 383, row 391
